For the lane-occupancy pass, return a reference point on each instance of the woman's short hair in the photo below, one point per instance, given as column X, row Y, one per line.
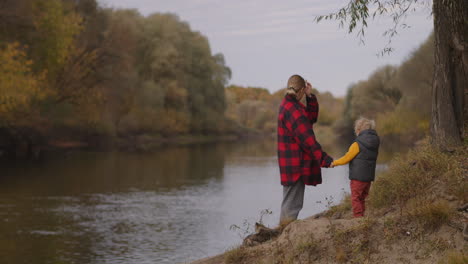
column 362, row 124
column 295, row 84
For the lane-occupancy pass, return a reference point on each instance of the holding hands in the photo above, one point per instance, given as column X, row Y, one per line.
column 327, row 161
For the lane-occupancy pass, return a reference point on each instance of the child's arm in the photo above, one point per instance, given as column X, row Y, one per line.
column 350, row 155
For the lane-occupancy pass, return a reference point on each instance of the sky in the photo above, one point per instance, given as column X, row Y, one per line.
column 266, row 41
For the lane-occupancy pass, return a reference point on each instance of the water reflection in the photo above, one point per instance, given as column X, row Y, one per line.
column 80, row 173
column 170, row 206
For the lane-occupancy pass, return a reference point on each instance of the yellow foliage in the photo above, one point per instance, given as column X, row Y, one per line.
column 175, row 121
column 176, row 95
column 402, row 122
column 58, row 31
column 19, row 86
column 240, row 94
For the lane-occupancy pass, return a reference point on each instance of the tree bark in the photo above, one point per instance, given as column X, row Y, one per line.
column 450, row 85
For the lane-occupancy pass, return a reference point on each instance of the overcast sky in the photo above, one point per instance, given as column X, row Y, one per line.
column 266, row 41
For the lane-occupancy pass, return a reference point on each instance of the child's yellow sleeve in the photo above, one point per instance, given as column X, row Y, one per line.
column 350, row 155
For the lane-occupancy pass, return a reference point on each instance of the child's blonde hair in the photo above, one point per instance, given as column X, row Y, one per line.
column 362, row 124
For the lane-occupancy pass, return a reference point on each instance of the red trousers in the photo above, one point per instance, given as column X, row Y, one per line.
column 359, row 192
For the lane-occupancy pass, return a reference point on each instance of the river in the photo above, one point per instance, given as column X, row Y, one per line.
column 174, row 205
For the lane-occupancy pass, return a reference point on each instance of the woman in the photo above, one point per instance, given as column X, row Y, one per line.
column 300, row 156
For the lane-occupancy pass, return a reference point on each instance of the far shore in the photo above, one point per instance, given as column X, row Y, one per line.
column 134, row 143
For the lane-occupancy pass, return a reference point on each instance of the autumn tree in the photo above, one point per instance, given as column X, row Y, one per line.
column 449, row 87
column 177, row 64
column 377, row 94
column 414, row 78
column 47, row 33
column 118, row 74
column 90, row 72
column 398, row 97
column 20, row 88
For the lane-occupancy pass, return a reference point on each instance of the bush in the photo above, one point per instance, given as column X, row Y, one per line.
column 430, row 215
column 394, row 129
column 409, row 176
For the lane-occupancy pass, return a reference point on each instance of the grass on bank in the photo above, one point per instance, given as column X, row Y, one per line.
column 235, row 255
column 418, row 178
column 454, row 257
column 343, row 207
column 430, row 215
column 353, row 244
column 409, row 176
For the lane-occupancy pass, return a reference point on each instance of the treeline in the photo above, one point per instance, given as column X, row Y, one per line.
column 71, row 70
column 74, row 73
column 397, row 97
column 256, row 109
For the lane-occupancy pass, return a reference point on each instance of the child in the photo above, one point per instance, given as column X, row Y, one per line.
column 362, row 157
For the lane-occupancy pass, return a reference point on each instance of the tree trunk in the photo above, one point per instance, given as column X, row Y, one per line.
column 450, row 85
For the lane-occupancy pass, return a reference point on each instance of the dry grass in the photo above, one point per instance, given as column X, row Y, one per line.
column 307, row 249
column 235, row 255
column 353, row 244
column 430, row 215
column 409, row 176
column 282, row 256
column 340, row 256
column 454, row 257
column 391, row 229
column 307, row 245
column 435, row 245
column 283, row 224
column 458, row 176
column 343, row 207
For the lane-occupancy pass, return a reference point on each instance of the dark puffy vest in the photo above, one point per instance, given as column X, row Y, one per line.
column 362, row 167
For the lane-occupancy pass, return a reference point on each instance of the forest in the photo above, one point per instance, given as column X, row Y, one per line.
column 75, row 74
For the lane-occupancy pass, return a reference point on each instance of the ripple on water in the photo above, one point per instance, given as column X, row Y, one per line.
column 144, row 227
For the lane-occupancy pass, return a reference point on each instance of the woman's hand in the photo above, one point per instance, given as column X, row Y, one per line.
column 308, row 89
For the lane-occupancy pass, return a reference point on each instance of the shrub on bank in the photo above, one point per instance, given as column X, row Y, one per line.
column 411, row 175
column 430, row 216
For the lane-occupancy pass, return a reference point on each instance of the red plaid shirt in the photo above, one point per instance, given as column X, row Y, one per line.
column 299, row 153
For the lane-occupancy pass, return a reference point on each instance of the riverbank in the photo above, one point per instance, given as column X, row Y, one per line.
column 416, row 214
column 149, row 142
column 33, row 146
